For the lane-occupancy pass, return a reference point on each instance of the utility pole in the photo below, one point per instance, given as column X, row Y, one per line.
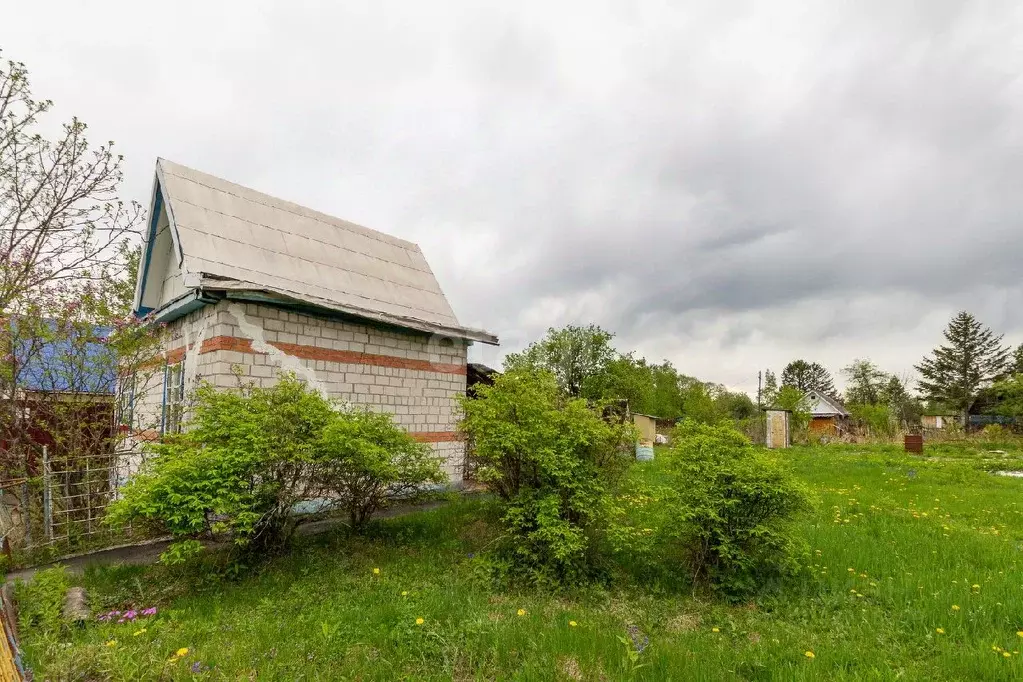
column 759, row 380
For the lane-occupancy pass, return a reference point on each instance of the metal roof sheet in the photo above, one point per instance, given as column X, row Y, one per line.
column 229, row 231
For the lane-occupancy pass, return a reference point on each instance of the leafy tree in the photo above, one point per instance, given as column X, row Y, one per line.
column 578, row 357
column 1009, row 393
column 972, row 359
column 808, row 376
column 792, row 399
column 769, row 392
column 60, row 218
column 554, row 464
column 865, row 382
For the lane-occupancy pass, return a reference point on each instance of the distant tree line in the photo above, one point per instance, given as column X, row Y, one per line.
column 586, row 365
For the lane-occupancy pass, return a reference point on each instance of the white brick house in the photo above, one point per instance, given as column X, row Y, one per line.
column 251, row 285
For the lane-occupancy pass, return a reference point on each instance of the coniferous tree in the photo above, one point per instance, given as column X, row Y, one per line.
column 1017, row 360
column 972, row 359
column 808, row 376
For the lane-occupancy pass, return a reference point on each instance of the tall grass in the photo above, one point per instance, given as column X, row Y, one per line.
column 897, row 543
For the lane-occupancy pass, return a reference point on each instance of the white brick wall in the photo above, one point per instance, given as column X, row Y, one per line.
column 422, row 400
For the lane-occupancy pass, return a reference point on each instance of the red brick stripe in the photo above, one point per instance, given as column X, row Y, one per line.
column 436, row 436
column 315, row 353
column 421, row 436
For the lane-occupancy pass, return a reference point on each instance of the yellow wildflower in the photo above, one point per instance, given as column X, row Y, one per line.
column 955, row 607
column 976, row 587
column 715, row 629
column 521, row 612
column 112, row 642
column 404, row 593
column 139, row 632
column 1006, row 654
column 182, row 652
column 419, row 621
column 376, row 571
column 940, row 631
column 572, row 623
column 1019, row 633
column 809, row 654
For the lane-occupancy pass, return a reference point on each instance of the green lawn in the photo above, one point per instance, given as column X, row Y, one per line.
column 914, row 574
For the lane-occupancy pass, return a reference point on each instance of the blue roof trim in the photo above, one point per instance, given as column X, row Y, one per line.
column 150, row 240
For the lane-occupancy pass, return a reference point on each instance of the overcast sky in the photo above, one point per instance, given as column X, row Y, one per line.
column 728, row 185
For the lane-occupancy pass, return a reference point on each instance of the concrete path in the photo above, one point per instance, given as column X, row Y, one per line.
column 149, row 552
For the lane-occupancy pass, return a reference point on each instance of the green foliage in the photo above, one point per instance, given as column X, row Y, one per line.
column 41, row 601
column 864, row 382
column 808, row 376
column 972, row 358
column 364, row 460
column 876, row 420
column 1010, row 396
column 578, row 357
column 554, row 463
column 249, row 457
column 792, row 399
column 732, row 511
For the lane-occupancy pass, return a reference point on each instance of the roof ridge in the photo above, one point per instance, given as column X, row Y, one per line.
column 348, row 225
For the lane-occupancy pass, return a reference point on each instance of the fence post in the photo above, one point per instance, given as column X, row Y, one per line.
column 47, row 496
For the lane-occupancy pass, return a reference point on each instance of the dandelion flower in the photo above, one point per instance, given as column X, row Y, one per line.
column 1006, row 654
column 182, row 652
column 715, row 629
column 572, row 623
column 419, row 621
column 809, row 654
column 976, row 587
column 112, row 642
column 955, row 607
column 940, row 631
column 1019, row 633
column 376, row 571
column 521, row 612
column 404, row 593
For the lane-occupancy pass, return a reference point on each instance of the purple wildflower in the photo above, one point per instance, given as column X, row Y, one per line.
column 196, row 667
column 151, row 611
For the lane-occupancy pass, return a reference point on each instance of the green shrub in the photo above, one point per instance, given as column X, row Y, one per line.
column 731, row 511
column 553, row 463
column 41, row 600
column 364, row 461
column 248, row 457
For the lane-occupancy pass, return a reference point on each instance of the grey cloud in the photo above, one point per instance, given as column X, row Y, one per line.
column 727, row 185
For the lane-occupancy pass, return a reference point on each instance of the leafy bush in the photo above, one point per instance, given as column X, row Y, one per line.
column 364, row 461
column 249, row 457
column 553, row 463
column 41, row 601
column 731, row 510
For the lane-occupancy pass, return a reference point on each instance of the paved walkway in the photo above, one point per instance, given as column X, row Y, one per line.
column 149, row 553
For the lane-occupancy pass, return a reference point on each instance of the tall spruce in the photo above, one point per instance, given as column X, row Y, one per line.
column 1017, row 360
column 808, row 376
column 972, row 359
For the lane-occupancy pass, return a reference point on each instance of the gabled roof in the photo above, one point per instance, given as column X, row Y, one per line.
column 823, row 405
column 225, row 237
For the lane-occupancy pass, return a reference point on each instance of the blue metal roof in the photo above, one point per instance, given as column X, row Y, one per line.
column 68, row 364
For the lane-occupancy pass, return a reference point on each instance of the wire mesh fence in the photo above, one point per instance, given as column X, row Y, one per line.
column 52, row 506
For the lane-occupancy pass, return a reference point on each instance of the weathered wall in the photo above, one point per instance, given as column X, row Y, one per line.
column 413, row 376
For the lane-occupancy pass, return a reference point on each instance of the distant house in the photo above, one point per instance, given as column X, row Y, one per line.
column 250, row 286
column 940, row 421
column 66, row 381
column 828, row 416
